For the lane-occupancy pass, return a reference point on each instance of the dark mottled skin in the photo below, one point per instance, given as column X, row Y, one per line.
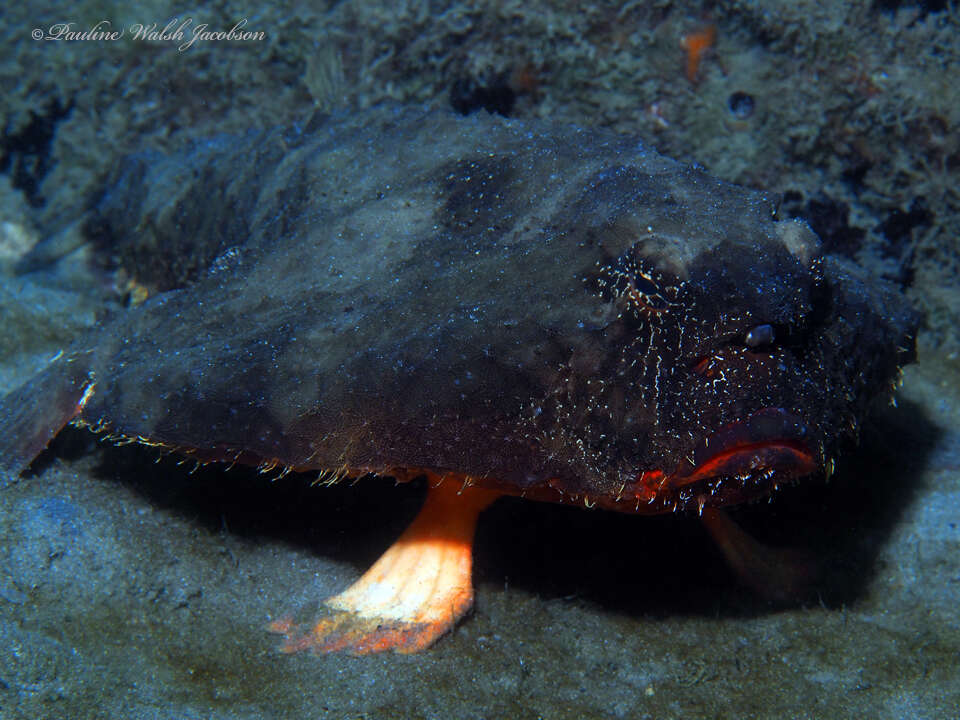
column 550, row 311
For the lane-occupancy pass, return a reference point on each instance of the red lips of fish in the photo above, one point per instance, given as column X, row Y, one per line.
column 770, row 440
column 741, row 460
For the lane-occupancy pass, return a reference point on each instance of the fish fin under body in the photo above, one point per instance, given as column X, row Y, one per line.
column 415, row 593
column 34, row 413
column 777, row 574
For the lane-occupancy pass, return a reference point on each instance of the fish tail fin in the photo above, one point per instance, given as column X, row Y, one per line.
column 34, row 413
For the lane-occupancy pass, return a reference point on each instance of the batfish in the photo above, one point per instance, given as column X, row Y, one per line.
column 502, row 306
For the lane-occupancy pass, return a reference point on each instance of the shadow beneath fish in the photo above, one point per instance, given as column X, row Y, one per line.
column 658, row 566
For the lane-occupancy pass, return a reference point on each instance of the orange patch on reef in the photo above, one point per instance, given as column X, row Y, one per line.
column 697, row 44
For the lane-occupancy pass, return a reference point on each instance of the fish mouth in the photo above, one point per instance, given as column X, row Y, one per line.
column 746, row 459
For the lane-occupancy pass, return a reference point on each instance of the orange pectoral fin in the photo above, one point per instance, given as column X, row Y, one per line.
column 778, row 574
column 418, row 589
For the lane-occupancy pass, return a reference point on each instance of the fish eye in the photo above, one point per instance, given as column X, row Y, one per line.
column 645, row 284
column 759, row 335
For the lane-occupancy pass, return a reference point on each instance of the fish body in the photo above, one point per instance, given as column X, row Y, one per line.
column 558, row 313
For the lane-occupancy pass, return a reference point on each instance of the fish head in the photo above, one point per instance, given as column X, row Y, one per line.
column 736, row 357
